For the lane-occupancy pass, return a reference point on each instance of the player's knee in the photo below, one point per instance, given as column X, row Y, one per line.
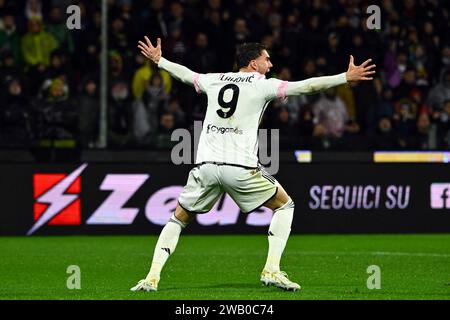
column 289, row 204
column 177, row 221
column 183, row 216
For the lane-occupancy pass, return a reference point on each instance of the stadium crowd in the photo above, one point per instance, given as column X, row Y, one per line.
column 49, row 74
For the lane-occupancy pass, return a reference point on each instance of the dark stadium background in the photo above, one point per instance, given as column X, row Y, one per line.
column 404, row 108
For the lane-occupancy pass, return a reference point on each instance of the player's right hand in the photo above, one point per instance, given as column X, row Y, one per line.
column 149, row 51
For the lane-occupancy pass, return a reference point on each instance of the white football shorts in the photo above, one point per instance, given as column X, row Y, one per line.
column 249, row 188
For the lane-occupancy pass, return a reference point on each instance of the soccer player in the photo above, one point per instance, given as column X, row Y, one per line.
column 227, row 158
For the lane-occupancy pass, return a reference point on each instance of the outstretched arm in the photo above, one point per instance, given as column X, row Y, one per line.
column 354, row 73
column 176, row 70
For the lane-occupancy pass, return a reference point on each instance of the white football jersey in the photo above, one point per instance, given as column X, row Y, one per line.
column 236, row 103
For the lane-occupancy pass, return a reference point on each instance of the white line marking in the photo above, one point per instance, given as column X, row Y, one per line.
column 375, row 253
column 339, row 253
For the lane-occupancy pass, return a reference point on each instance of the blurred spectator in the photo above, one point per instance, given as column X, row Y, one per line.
column 120, row 116
column 120, row 120
column 291, row 38
column 407, row 85
column 15, row 130
column 441, row 91
column 89, row 113
column 385, row 138
column 88, row 45
column 179, row 116
column 8, row 70
column 148, row 109
column 445, row 57
column 37, row 44
column 126, row 11
column 117, row 68
column 58, row 68
column 431, row 40
column 306, row 121
column 166, row 127
column 38, row 74
column 275, row 20
column 201, row 58
column 56, row 26
column 177, row 18
column 241, row 34
column 216, row 28
column 120, row 110
column 313, row 37
column 118, row 38
column 33, row 10
column 175, row 44
column 365, row 96
column 309, row 69
column 442, row 120
column 257, row 22
column 142, row 76
column 334, row 54
column 423, row 66
column 347, row 93
column 283, row 123
column 382, row 108
column 59, row 65
column 10, row 38
column 56, row 114
column 393, row 74
column 360, row 48
column 425, row 138
column 331, row 113
column 153, row 17
column 166, row 123
column 405, row 120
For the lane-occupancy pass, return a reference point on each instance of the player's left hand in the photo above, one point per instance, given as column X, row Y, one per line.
column 362, row 72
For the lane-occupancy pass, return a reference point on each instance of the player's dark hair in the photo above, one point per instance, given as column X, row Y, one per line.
column 247, row 52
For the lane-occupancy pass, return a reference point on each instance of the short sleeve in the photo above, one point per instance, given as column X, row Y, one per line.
column 274, row 88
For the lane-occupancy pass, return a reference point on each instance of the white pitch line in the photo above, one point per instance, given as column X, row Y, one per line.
column 375, row 253
column 419, row 254
column 339, row 253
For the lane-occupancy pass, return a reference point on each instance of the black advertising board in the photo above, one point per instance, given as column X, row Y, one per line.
column 51, row 199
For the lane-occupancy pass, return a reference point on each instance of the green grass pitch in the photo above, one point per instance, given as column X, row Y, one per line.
column 227, row 267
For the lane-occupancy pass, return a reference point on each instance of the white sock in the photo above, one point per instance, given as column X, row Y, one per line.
column 165, row 246
column 279, row 230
